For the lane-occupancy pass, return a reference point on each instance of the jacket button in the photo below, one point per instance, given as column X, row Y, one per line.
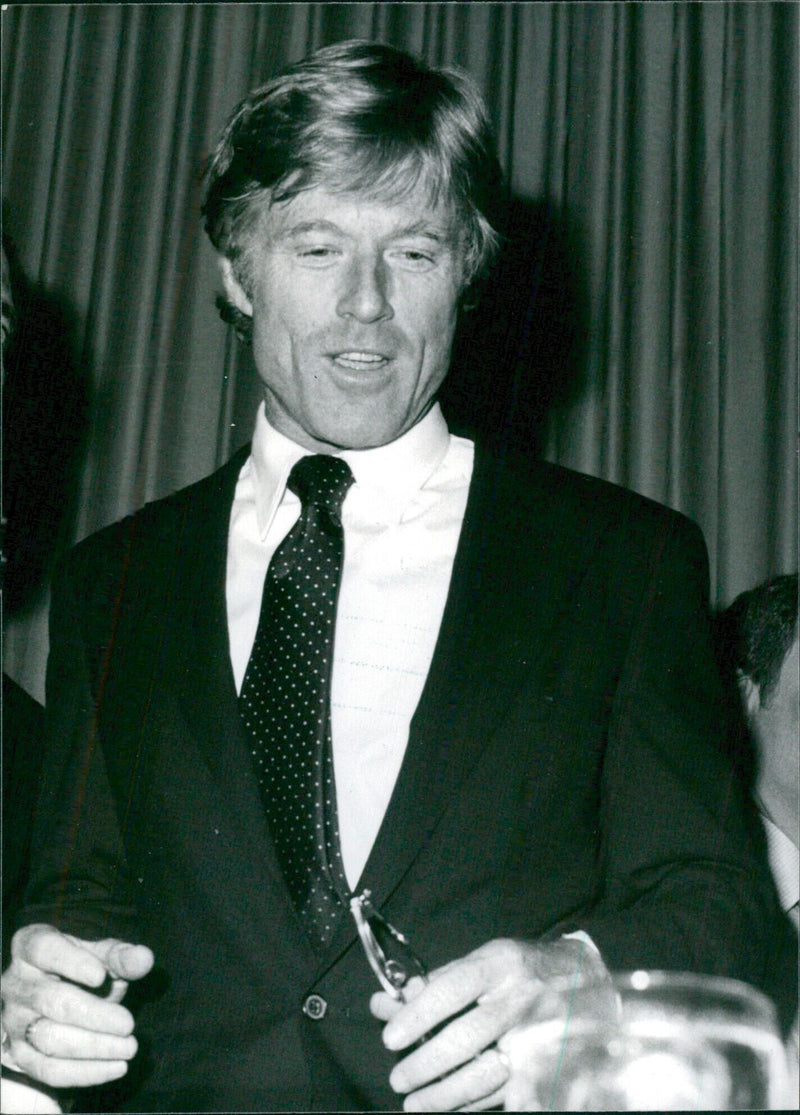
column 315, row 1007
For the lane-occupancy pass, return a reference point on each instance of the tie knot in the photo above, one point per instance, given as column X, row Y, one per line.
column 321, row 480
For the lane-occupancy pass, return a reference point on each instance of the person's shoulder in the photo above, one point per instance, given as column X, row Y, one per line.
column 526, row 475
column 539, row 487
column 159, row 524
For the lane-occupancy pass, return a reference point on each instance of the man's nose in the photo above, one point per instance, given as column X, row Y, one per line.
column 365, row 295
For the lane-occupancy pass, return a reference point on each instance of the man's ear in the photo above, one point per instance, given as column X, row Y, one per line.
column 749, row 692
column 234, row 291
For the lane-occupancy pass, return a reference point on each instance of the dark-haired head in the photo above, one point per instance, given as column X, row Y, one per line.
column 757, row 630
column 756, row 638
column 357, row 118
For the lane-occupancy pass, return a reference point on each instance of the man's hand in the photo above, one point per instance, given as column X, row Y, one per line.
column 56, row 1032
column 472, row 1003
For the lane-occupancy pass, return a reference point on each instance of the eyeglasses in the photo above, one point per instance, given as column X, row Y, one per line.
column 390, row 956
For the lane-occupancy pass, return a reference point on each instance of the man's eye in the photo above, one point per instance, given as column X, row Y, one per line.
column 316, row 253
column 413, row 257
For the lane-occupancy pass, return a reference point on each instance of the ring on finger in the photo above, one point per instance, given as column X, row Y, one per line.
column 503, row 1058
column 500, row 1055
column 29, row 1031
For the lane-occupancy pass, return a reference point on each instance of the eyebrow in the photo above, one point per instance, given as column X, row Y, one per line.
column 424, row 228
column 435, row 233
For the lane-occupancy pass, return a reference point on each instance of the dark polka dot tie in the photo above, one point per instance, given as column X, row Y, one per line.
column 285, row 696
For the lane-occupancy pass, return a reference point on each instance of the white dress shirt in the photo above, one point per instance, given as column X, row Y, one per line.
column 402, row 519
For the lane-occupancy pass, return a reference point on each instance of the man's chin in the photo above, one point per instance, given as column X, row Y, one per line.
column 360, row 434
column 338, row 427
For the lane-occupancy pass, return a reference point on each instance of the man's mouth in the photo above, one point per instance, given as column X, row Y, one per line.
column 360, row 361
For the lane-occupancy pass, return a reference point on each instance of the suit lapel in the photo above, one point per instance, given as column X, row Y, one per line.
column 201, row 673
column 201, row 660
column 519, row 555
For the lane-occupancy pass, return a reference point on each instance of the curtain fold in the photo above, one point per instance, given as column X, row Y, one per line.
column 652, row 154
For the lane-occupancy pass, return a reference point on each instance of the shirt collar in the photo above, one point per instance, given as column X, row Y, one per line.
column 394, row 472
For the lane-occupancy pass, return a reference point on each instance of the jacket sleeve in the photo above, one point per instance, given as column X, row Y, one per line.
column 78, row 878
column 683, row 850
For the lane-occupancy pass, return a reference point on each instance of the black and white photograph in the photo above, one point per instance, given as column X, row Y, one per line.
column 399, row 556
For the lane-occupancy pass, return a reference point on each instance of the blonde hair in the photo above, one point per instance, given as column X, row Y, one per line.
column 362, row 118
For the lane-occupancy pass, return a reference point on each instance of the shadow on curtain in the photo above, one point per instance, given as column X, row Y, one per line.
column 520, row 354
column 45, row 412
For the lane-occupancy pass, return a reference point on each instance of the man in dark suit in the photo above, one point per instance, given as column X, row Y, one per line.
column 517, row 732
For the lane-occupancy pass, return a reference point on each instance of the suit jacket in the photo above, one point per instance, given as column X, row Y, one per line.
column 23, row 722
column 565, row 770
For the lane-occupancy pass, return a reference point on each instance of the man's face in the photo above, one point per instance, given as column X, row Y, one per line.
column 354, row 306
column 776, row 727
